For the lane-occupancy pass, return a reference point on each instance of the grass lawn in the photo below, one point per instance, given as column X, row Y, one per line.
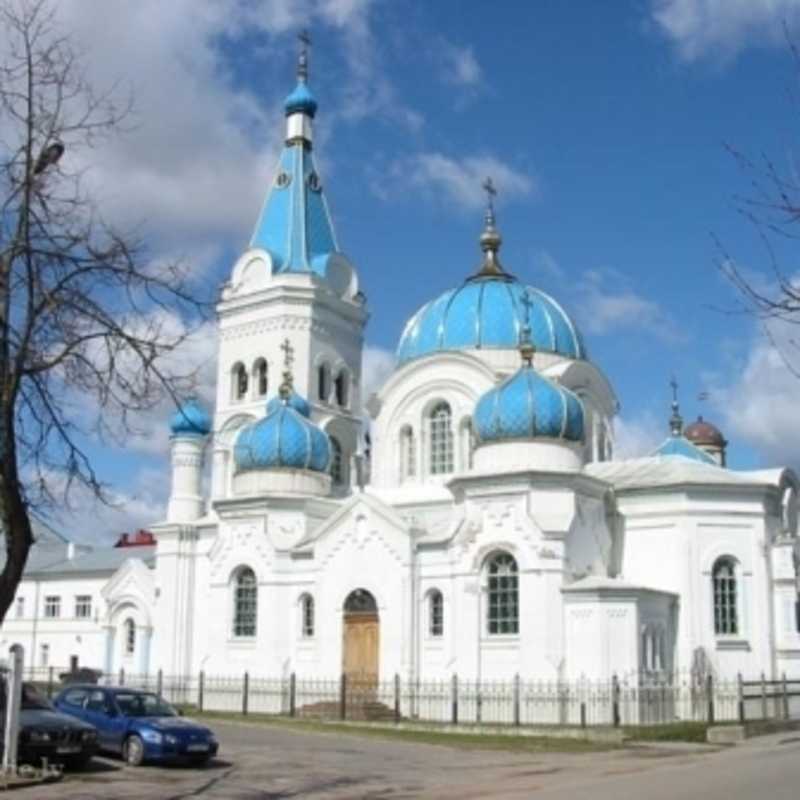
column 446, row 737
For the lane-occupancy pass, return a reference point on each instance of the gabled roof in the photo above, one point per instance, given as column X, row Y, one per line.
column 672, row 470
column 681, row 446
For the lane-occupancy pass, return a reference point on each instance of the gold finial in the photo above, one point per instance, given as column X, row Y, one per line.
column 526, row 348
column 302, row 59
column 490, row 238
column 285, row 389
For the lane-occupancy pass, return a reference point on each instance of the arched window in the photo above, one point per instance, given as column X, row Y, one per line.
column 307, row 611
column 260, row 377
column 441, row 439
column 239, row 381
column 435, row 613
column 130, row 636
column 337, row 463
column 408, row 453
column 323, row 382
column 503, row 594
column 723, row 578
column 340, row 388
column 245, row 603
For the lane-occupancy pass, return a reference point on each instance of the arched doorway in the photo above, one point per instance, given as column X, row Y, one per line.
column 361, row 639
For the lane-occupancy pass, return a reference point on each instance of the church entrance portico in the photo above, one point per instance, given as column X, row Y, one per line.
column 360, row 638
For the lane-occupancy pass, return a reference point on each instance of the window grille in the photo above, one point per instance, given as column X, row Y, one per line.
column 436, row 613
column 408, row 453
column 239, row 382
column 308, row 616
column 337, row 464
column 245, row 603
column 52, row 606
column 83, row 606
column 324, row 382
column 726, row 620
column 503, row 595
column 261, row 377
column 441, row 440
column 130, row 636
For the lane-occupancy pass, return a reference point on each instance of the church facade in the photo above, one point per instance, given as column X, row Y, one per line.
column 483, row 527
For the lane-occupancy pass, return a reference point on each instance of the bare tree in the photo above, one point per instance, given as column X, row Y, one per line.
column 771, row 206
column 87, row 323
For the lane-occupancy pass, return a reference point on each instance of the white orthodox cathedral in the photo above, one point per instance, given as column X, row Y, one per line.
column 482, row 526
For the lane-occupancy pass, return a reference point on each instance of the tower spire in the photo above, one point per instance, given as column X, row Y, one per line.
column 675, row 420
column 490, row 238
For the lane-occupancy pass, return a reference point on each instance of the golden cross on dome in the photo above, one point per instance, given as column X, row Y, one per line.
column 491, row 191
column 302, row 61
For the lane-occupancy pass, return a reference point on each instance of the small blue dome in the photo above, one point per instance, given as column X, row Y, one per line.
column 295, row 401
column 283, row 439
column 301, row 101
column 190, row 419
column 488, row 312
column 526, row 406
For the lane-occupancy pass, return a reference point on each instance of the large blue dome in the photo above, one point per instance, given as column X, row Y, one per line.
column 526, row 406
column 283, row 439
column 190, row 419
column 487, row 312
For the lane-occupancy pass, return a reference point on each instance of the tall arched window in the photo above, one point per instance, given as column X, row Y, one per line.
column 435, row 613
column 408, row 453
column 502, row 595
column 239, row 374
column 130, row 636
column 323, row 382
column 245, row 603
column 307, row 612
column 337, row 464
column 441, row 433
column 260, row 377
column 341, row 389
column 723, row 578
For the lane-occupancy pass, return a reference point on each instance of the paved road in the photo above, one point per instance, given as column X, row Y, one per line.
column 270, row 763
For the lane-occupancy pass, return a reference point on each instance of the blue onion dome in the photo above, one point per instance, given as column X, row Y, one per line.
column 294, row 400
column 301, row 101
column 527, row 406
column 487, row 311
column 284, row 439
column 190, row 419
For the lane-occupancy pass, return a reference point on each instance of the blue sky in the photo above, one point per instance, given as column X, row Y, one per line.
column 604, row 126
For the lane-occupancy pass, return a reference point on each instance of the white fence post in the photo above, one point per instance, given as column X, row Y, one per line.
column 13, row 700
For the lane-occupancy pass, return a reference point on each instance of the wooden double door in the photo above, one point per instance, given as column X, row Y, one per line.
column 361, row 647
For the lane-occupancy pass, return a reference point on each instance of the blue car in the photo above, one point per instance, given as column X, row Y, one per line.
column 138, row 725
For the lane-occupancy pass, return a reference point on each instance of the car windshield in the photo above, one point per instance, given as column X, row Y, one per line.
column 31, row 698
column 140, row 704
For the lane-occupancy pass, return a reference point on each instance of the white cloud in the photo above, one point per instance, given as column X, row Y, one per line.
column 638, row 436
column 722, row 28
column 459, row 66
column 457, row 180
column 759, row 406
column 377, row 365
column 603, row 302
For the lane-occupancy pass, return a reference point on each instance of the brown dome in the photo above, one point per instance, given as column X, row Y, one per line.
column 704, row 433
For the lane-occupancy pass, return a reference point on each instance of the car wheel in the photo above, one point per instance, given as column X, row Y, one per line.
column 134, row 751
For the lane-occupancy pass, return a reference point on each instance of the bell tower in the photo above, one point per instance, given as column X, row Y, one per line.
column 293, row 282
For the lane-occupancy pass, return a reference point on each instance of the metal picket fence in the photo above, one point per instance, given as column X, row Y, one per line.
column 636, row 699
